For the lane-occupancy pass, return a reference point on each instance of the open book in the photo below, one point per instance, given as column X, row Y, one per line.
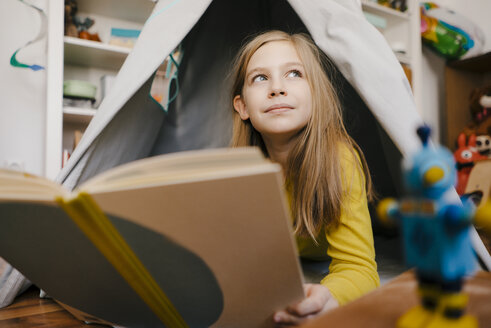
column 191, row 239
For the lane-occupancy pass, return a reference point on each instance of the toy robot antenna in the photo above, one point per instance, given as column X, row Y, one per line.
column 424, row 132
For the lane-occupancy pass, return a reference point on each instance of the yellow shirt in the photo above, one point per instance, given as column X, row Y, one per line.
column 353, row 270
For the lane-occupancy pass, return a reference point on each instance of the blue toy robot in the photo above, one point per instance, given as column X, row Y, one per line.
column 436, row 237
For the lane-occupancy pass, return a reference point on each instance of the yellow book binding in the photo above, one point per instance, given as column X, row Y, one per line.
column 87, row 215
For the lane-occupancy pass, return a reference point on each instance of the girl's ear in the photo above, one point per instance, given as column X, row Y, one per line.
column 240, row 107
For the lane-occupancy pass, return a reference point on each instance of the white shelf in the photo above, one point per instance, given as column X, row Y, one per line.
column 88, row 53
column 403, row 58
column 382, row 10
column 78, row 115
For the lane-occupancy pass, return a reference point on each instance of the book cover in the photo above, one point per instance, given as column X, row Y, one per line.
column 202, row 238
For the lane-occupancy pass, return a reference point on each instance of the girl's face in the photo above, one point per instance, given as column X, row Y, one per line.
column 276, row 96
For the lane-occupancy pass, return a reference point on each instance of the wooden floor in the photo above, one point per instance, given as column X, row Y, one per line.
column 380, row 308
column 29, row 310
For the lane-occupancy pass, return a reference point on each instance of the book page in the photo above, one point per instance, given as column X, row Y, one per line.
column 16, row 185
column 229, row 237
column 179, row 167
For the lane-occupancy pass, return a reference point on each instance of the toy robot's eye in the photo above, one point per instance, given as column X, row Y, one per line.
column 487, row 142
column 479, row 143
column 466, row 154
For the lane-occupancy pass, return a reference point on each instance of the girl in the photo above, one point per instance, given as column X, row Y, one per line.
column 285, row 104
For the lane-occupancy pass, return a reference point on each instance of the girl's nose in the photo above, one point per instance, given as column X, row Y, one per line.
column 277, row 92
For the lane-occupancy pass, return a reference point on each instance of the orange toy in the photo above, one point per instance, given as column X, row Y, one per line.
column 465, row 156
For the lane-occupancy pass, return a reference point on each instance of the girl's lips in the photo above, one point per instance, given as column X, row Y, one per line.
column 278, row 107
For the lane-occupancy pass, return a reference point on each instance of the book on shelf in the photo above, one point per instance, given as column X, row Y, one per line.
column 77, row 136
column 124, row 37
column 65, row 157
column 192, row 239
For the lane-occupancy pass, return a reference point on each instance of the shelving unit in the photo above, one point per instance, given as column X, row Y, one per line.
column 71, row 58
column 402, row 32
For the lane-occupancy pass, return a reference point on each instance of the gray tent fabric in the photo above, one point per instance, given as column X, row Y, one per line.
column 136, row 124
column 12, row 283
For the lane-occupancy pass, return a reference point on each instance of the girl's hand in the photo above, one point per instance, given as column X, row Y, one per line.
column 318, row 300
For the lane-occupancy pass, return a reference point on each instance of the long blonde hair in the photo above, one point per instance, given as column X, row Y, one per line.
column 313, row 168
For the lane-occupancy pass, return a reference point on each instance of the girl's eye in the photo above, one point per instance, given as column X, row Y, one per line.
column 259, row 78
column 294, row 73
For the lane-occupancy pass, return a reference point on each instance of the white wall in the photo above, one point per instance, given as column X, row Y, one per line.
column 433, row 66
column 479, row 11
column 22, row 91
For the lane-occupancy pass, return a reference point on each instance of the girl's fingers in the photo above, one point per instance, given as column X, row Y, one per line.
column 307, row 306
column 285, row 318
column 316, row 300
column 288, row 319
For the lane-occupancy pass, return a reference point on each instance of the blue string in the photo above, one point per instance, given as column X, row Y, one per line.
column 162, row 10
column 13, row 59
column 173, row 78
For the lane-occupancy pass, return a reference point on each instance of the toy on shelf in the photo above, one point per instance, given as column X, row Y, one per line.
column 75, row 26
column 480, row 106
column 480, row 110
column 483, row 145
column 436, row 237
column 400, row 5
column 465, row 156
column 83, row 28
column 71, row 8
column 449, row 34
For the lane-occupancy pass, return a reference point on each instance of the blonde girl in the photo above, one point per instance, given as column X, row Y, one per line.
column 285, row 104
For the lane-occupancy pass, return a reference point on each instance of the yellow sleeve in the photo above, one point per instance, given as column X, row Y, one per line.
column 353, row 270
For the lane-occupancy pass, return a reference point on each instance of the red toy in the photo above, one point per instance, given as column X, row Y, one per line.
column 465, row 156
column 480, row 110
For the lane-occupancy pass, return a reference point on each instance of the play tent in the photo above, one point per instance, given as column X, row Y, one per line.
column 129, row 125
column 379, row 110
